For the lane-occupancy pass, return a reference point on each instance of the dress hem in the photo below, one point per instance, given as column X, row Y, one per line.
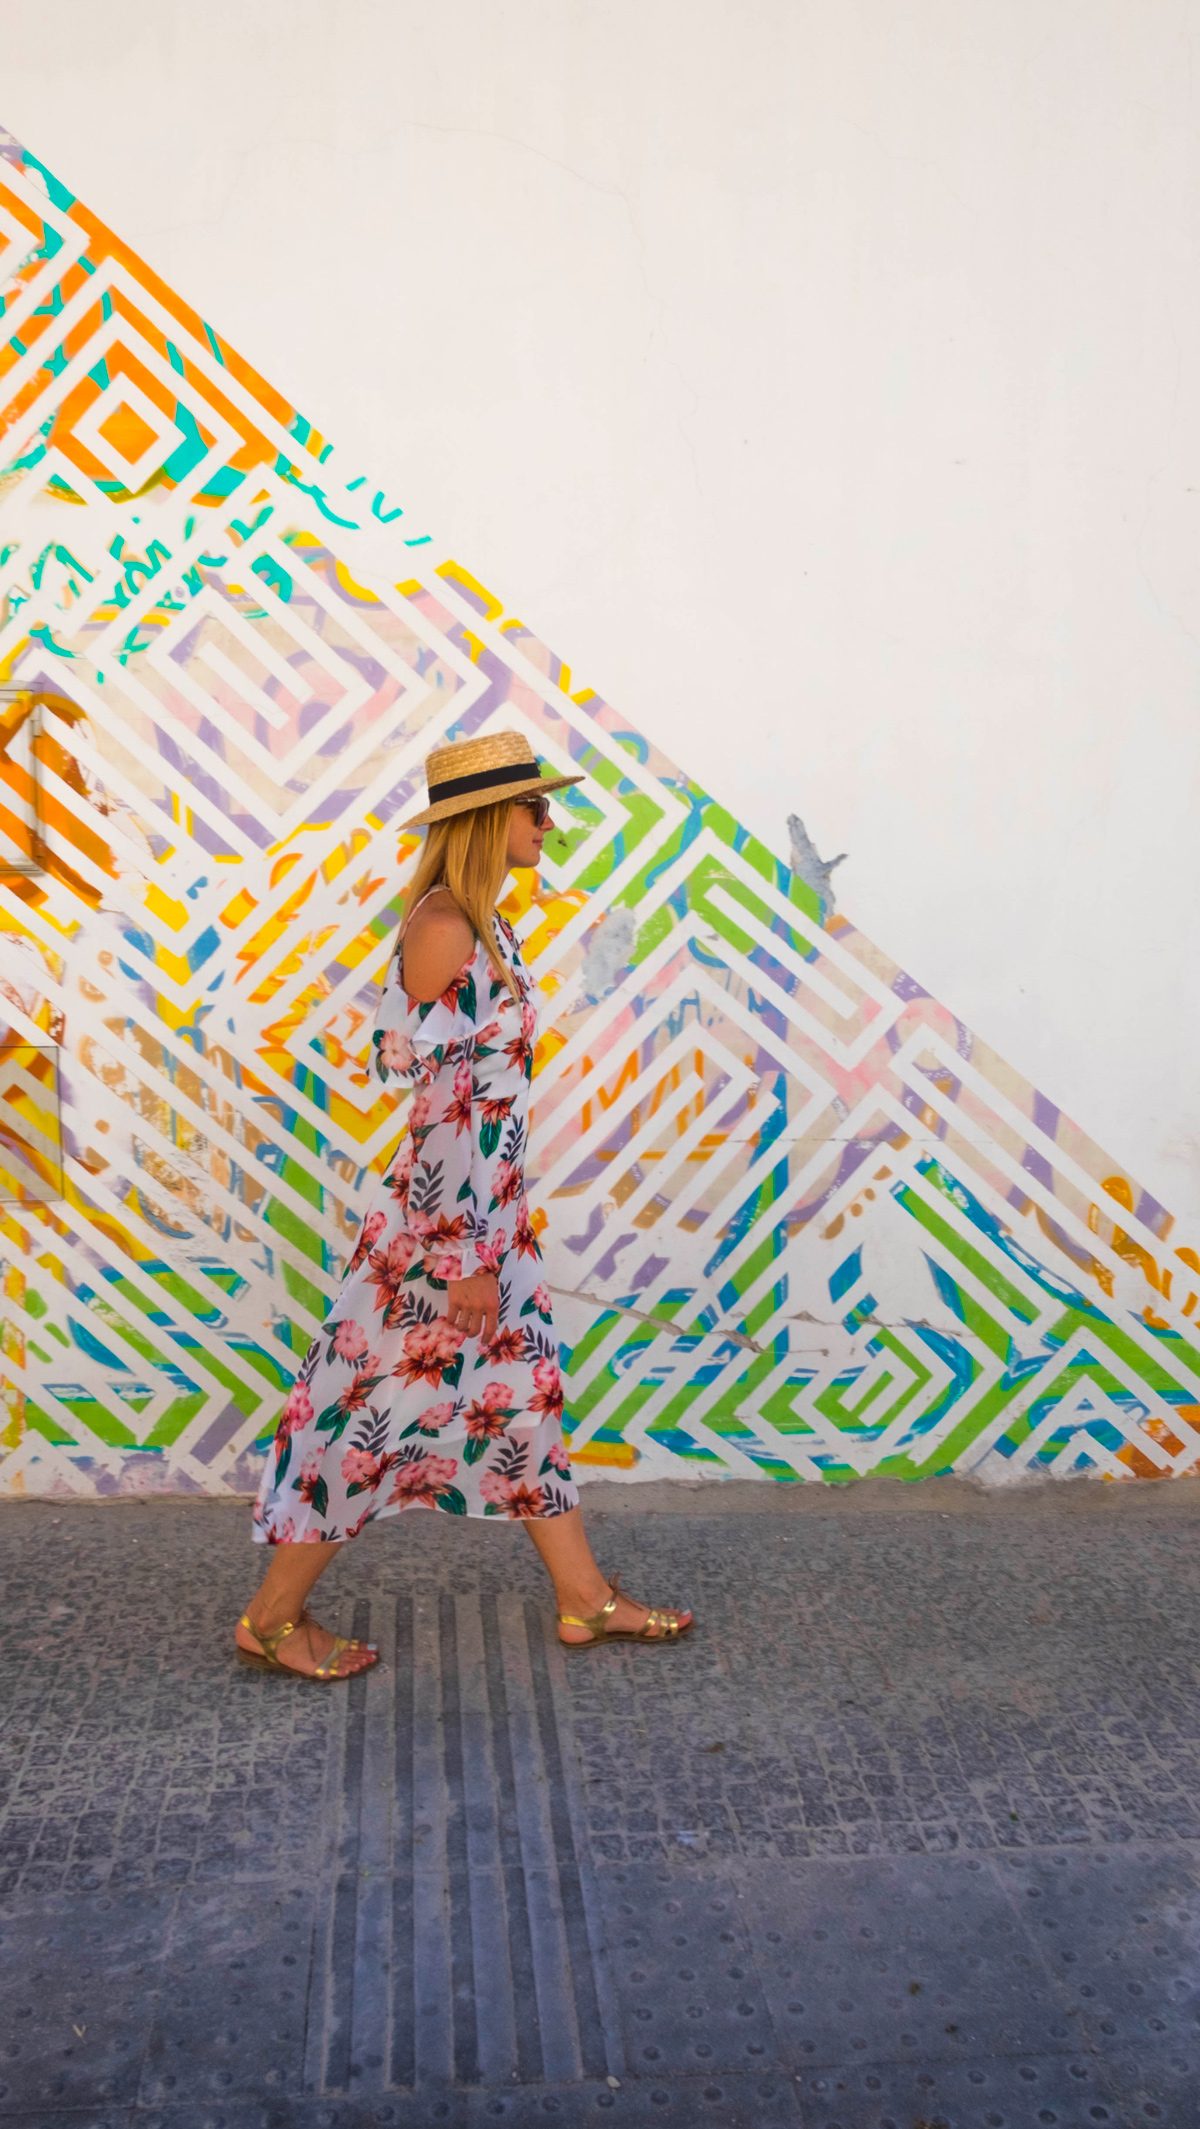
column 390, row 1510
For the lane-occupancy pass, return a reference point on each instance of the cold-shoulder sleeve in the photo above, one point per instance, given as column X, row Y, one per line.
column 414, row 1040
column 440, row 1187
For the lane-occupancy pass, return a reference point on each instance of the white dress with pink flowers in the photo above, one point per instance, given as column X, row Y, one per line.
column 393, row 1409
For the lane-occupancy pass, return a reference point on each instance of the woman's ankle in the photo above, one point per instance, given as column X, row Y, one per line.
column 586, row 1603
column 268, row 1615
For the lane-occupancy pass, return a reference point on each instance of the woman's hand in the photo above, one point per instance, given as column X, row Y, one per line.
column 473, row 1305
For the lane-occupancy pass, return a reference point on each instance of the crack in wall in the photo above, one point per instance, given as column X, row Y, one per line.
column 751, row 1345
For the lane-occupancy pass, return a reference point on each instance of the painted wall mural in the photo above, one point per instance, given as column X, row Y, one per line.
column 801, row 1223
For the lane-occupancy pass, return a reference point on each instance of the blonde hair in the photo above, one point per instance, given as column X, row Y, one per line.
column 468, row 855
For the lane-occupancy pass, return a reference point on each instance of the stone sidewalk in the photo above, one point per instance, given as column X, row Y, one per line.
column 907, row 1836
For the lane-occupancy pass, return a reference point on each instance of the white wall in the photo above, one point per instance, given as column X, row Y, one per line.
column 822, row 380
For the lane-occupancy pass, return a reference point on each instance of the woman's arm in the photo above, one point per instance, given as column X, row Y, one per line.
column 435, row 944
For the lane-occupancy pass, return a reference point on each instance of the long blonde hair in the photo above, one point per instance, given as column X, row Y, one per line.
column 468, row 855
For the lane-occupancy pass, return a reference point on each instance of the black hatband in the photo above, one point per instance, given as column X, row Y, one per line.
column 523, row 772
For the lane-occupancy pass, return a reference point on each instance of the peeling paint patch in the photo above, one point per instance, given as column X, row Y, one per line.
column 813, row 869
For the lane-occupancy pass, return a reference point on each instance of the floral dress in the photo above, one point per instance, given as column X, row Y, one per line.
column 392, row 1408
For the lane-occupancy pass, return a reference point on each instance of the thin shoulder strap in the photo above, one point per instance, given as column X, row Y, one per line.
column 439, row 888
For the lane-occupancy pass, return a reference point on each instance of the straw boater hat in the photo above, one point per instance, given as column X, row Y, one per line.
column 479, row 772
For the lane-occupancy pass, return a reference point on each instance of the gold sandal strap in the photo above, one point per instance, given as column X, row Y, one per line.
column 659, row 1626
column 268, row 1642
column 595, row 1623
column 328, row 1668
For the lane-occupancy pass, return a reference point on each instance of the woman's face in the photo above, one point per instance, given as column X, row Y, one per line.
column 525, row 836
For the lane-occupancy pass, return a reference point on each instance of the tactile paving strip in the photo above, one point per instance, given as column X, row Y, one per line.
column 459, row 1949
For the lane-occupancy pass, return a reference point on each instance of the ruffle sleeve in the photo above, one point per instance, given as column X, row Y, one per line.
column 412, row 1040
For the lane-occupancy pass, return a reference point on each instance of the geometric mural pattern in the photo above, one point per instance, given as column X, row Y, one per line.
column 800, row 1223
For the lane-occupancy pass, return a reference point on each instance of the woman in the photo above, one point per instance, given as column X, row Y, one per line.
column 435, row 1382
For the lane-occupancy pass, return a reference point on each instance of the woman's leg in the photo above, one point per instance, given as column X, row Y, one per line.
column 579, row 1586
column 291, row 1573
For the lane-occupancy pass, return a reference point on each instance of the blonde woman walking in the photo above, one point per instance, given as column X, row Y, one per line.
column 435, row 1382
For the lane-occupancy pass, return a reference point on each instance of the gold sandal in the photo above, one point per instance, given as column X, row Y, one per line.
column 658, row 1628
column 268, row 1660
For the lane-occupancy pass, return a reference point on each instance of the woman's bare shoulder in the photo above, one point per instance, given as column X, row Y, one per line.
column 437, row 941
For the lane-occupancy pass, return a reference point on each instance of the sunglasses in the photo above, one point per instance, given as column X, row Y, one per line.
column 539, row 807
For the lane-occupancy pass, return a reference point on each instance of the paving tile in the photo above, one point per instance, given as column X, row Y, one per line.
column 79, row 1994
column 724, row 2102
column 1033, row 2092
column 1163, row 2089
column 234, row 1980
column 683, row 1965
column 914, row 1959
column 1122, row 1933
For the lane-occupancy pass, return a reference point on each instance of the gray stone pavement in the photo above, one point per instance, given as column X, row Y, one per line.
column 907, row 1836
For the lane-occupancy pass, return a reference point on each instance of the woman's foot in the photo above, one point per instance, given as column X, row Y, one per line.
column 649, row 1623
column 306, row 1649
